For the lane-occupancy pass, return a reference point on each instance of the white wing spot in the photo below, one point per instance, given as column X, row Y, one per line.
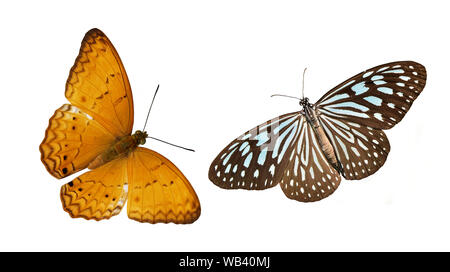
column 272, row 169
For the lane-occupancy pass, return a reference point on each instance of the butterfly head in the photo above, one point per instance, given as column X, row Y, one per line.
column 304, row 102
column 140, row 136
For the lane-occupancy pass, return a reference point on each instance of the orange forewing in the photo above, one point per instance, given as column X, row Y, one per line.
column 99, row 86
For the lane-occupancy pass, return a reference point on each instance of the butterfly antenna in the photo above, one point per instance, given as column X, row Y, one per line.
column 148, row 114
column 188, row 149
column 303, row 84
column 283, row 95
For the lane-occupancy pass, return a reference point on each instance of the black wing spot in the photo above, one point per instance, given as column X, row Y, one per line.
column 64, row 170
column 70, row 184
column 65, row 157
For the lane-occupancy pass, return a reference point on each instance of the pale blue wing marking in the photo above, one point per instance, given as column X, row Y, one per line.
column 280, row 140
column 374, row 100
column 360, row 88
column 248, row 160
column 262, row 138
column 396, row 71
column 367, row 74
column 335, row 98
column 283, row 124
column 349, row 105
column 262, row 156
column 348, row 112
column 385, row 90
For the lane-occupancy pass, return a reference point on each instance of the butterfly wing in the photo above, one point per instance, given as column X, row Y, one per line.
column 360, row 149
column 72, row 140
column 99, row 86
column 101, row 110
column 158, row 191
column 254, row 161
column 354, row 113
column 99, row 193
column 308, row 176
column 377, row 98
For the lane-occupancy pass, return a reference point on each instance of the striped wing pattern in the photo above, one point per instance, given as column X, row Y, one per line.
column 361, row 150
column 308, row 176
column 378, row 97
column 282, row 150
column 354, row 113
column 255, row 160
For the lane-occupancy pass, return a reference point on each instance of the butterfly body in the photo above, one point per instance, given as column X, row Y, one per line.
column 122, row 147
column 310, row 114
column 308, row 151
column 95, row 131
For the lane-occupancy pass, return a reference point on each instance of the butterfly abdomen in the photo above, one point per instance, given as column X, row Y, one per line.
column 322, row 138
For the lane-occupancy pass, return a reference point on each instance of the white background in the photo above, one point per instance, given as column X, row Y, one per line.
column 218, row 63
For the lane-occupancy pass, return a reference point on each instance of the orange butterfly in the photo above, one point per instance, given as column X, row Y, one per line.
column 94, row 131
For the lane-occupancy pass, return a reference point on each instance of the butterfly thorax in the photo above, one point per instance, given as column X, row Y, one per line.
column 122, row 147
column 304, row 102
column 324, row 142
